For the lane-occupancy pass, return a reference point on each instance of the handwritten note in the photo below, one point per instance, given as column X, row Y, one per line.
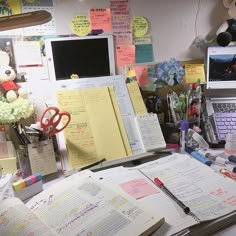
column 139, row 26
column 125, row 54
column 120, row 7
column 193, row 72
column 17, row 219
column 42, row 157
column 143, row 53
column 138, row 188
column 88, row 137
column 80, row 25
column 100, row 18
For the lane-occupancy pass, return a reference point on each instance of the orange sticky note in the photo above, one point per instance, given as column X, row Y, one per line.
column 100, row 18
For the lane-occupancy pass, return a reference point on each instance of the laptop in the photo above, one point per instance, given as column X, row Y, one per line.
column 220, row 89
column 221, row 77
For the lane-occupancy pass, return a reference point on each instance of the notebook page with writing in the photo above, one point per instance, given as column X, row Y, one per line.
column 86, row 205
column 17, row 219
column 175, row 219
column 208, row 194
column 150, row 132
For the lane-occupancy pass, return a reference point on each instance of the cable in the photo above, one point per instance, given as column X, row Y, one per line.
column 196, row 17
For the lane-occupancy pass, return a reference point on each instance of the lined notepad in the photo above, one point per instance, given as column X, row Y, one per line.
column 150, row 132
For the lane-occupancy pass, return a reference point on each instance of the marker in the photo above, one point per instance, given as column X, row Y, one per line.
column 232, row 158
column 216, row 159
column 198, row 156
column 228, row 173
column 169, row 193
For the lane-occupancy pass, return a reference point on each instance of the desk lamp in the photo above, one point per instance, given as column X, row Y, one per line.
column 24, row 20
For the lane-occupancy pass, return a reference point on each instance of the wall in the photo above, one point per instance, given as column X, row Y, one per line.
column 172, row 23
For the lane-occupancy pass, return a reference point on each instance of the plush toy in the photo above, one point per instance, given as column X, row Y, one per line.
column 226, row 33
column 14, row 101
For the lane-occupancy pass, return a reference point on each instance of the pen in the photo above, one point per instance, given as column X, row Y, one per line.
column 168, row 192
column 228, row 173
column 92, row 165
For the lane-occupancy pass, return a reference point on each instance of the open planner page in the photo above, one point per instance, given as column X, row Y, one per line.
column 17, row 219
column 85, row 205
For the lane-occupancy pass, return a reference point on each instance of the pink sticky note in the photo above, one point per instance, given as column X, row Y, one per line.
column 138, row 188
column 125, row 54
column 141, row 73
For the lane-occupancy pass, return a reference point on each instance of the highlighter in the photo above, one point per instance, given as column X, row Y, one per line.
column 198, row 156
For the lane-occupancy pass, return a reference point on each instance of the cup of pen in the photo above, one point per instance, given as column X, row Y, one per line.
column 24, row 161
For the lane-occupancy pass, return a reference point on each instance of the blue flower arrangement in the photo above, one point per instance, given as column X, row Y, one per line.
column 169, row 73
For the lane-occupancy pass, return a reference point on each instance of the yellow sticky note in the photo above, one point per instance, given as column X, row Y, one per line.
column 136, row 98
column 80, row 25
column 139, row 26
column 8, row 165
column 193, row 72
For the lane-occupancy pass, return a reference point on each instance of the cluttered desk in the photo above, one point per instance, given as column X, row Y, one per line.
column 151, row 152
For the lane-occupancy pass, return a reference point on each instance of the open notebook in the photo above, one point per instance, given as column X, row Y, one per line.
column 81, row 204
column 209, row 195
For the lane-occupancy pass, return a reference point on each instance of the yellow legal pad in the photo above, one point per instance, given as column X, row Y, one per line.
column 96, row 129
column 8, row 165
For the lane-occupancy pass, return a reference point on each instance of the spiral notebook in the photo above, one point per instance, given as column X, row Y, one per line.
column 150, row 132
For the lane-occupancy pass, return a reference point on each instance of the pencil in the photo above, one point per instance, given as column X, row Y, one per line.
column 92, row 165
column 169, row 193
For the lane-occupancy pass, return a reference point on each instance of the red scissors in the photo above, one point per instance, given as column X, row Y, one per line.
column 49, row 125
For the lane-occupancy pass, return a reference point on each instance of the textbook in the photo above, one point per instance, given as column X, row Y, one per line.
column 81, row 204
column 210, row 197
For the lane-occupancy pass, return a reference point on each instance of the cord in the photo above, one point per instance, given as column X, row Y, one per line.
column 196, row 17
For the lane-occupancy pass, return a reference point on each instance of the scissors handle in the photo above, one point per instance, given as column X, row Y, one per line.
column 53, row 121
column 55, row 130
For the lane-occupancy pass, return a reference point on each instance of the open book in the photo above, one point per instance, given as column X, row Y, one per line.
column 81, row 204
column 210, row 196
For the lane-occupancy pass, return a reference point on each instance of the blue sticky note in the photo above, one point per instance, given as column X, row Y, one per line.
column 143, row 53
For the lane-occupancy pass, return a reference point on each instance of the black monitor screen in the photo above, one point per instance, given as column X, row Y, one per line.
column 82, row 57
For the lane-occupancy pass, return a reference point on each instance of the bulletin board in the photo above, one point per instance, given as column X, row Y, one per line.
column 160, row 90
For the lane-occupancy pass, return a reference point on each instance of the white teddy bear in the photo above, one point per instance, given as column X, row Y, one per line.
column 15, row 104
column 8, row 87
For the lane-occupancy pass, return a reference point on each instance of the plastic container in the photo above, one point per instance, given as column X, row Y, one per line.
column 230, row 145
column 24, row 161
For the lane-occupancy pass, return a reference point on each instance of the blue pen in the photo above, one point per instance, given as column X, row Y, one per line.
column 198, row 156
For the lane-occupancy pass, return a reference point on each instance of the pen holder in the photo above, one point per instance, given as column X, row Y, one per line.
column 24, row 161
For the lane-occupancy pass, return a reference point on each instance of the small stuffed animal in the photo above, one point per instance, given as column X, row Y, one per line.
column 227, row 31
column 8, row 87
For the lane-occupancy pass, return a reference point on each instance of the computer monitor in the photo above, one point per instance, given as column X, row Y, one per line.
column 82, row 57
column 221, row 67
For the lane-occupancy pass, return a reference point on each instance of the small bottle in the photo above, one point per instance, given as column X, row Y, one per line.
column 184, row 125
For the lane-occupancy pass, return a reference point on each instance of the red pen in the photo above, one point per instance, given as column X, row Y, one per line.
column 169, row 193
column 228, row 173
